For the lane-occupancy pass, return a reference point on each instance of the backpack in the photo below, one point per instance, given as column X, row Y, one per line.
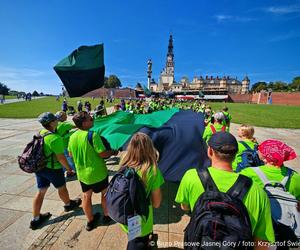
column 286, row 218
column 250, row 158
column 213, row 129
column 219, row 217
column 33, row 157
column 126, row 196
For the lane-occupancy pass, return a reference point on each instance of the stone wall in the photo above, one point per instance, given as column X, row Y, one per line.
column 280, row 98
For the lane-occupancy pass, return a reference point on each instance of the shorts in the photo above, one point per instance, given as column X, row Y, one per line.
column 47, row 175
column 96, row 187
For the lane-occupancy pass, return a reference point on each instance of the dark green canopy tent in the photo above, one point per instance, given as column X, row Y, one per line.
column 83, row 70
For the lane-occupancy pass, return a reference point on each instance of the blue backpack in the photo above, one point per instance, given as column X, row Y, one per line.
column 126, row 196
column 250, row 158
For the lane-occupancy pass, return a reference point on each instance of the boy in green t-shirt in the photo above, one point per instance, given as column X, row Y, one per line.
column 53, row 173
column 222, row 148
column 88, row 153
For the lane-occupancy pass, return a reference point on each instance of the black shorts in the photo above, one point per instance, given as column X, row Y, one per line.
column 96, row 187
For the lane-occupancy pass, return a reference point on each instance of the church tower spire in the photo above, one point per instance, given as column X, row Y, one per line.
column 170, row 58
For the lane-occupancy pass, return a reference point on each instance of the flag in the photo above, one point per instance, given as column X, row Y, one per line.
column 177, row 135
column 83, row 70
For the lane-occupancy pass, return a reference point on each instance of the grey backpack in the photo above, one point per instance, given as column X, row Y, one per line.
column 283, row 204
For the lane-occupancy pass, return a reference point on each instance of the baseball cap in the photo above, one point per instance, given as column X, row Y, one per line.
column 46, row 118
column 221, row 139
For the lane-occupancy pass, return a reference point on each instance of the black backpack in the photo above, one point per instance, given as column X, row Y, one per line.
column 33, row 158
column 250, row 158
column 126, row 196
column 219, row 219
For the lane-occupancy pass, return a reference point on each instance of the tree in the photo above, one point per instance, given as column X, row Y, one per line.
column 3, row 89
column 279, row 86
column 258, row 86
column 112, row 82
column 295, row 83
column 41, row 94
column 35, row 93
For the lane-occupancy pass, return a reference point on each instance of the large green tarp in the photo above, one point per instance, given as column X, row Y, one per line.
column 118, row 127
column 83, row 70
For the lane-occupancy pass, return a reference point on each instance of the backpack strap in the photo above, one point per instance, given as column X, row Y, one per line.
column 213, row 129
column 287, row 177
column 206, row 180
column 240, row 187
column 245, row 145
column 90, row 138
column 52, row 154
column 261, row 175
column 223, row 129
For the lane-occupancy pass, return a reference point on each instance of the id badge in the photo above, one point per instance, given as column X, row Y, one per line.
column 134, row 227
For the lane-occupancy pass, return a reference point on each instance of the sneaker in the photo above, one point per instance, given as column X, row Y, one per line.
column 73, row 205
column 106, row 219
column 34, row 224
column 92, row 224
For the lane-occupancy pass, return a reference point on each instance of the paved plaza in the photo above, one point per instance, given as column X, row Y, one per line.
column 66, row 230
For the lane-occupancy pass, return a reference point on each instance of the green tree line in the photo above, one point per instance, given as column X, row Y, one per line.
column 277, row 86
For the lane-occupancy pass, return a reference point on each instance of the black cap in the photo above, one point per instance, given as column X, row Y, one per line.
column 221, row 139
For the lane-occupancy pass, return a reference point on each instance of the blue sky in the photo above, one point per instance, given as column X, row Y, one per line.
column 226, row 37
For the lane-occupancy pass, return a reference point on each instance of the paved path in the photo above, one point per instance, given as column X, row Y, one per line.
column 66, row 230
column 7, row 101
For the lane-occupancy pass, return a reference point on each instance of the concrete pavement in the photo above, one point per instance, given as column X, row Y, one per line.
column 66, row 230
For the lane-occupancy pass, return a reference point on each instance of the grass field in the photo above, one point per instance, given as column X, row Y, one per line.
column 273, row 116
column 35, row 107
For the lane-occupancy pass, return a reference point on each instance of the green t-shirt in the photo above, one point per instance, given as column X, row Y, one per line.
column 241, row 149
column 276, row 174
column 64, row 130
column 256, row 200
column 53, row 145
column 90, row 167
column 153, row 182
column 208, row 132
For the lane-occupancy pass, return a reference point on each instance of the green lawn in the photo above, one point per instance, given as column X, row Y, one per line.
column 273, row 116
column 35, row 107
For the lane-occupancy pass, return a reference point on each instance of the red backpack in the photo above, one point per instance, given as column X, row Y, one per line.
column 33, row 158
column 213, row 129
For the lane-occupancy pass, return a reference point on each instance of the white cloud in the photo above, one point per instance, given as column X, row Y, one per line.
column 27, row 79
column 223, row 18
column 283, row 9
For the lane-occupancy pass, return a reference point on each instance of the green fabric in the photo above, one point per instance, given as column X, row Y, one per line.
column 256, row 200
column 90, row 167
column 64, row 130
column 118, row 127
column 242, row 148
column 153, row 182
column 276, row 174
column 53, row 144
column 208, row 132
column 84, row 58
